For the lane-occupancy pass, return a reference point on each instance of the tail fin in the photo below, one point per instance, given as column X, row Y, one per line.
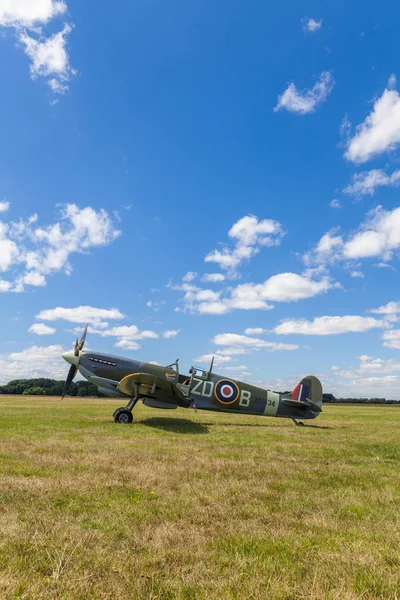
column 310, row 389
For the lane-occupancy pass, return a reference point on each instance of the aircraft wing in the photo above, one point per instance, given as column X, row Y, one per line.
column 300, row 404
column 151, row 386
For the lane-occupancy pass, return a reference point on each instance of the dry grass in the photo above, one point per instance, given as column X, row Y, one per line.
column 197, row 506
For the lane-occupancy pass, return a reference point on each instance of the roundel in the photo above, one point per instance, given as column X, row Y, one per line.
column 226, row 391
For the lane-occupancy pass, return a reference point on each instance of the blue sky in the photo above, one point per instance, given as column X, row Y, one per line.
column 258, row 144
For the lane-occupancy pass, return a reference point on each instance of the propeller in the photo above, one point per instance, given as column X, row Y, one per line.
column 73, row 357
column 71, row 374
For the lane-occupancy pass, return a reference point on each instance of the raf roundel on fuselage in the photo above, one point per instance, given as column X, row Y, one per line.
column 226, row 391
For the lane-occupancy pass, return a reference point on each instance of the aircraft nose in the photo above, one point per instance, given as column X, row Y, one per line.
column 70, row 357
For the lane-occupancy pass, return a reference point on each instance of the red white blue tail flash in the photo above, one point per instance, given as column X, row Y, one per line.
column 301, row 392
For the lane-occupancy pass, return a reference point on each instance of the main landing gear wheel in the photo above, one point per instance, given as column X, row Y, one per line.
column 123, row 416
column 298, row 423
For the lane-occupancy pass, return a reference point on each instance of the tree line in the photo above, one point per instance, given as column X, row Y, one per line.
column 49, row 387
column 52, row 387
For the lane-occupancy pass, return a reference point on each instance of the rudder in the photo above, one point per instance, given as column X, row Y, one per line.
column 309, row 388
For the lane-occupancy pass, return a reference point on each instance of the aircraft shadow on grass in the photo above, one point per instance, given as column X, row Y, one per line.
column 175, row 425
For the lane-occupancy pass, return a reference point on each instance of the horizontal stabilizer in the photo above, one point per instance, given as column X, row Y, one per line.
column 302, row 404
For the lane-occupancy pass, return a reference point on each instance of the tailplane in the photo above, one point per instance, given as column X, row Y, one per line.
column 307, row 393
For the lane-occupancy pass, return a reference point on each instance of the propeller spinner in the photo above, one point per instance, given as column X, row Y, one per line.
column 72, row 357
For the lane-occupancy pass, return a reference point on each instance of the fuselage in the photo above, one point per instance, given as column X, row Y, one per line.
column 204, row 390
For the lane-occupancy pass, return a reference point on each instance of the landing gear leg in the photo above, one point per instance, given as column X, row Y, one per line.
column 124, row 413
column 298, row 423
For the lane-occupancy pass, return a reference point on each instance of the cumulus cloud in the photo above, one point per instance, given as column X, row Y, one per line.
column 255, row 331
column 367, row 182
column 329, row 325
column 171, row 333
column 311, row 25
column 391, row 339
column 48, row 55
column 81, row 314
column 126, row 336
column 380, row 132
column 207, row 358
column 31, row 252
column 127, row 344
column 306, row 101
column 29, row 13
column 236, row 340
column 371, row 377
column 377, row 236
column 4, row 206
column 284, row 287
column 49, row 58
column 41, row 329
column 249, row 235
column 33, row 362
column 391, row 308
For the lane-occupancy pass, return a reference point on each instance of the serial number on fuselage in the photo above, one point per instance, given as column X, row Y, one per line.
column 264, row 401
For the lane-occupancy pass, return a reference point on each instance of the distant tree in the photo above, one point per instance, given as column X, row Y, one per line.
column 34, row 391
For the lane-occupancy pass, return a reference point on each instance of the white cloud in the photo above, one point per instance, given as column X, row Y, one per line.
column 127, row 344
column 49, row 57
column 255, row 331
column 36, row 251
column 33, row 278
column 213, row 277
column 48, row 54
column 33, row 362
column 391, row 308
column 380, row 132
column 29, row 13
column 249, row 234
column 391, row 339
column 207, row 358
column 329, row 325
column 311, row 25
column 81, row 314
column 284, row 287
column 127, row 332
column 377, row 236
column 4, row 206
column 361, row 381
column 41, row 329
column 306, row 101
column 335, row 204
column 5, row 286
column 356, row 274
column 237, row 340
column 190, row 276
column 8, row 249
column 171, row 333
column 367, row 182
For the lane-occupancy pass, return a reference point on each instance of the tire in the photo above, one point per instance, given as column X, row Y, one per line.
column 123, row 416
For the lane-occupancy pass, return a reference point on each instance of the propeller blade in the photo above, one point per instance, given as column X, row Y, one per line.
column 71, row 374
column 83, row 338
column 76, row 349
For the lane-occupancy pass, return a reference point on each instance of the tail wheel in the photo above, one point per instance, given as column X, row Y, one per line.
column 123, row 416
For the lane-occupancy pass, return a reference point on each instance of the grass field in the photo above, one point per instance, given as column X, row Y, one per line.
column 197, row 506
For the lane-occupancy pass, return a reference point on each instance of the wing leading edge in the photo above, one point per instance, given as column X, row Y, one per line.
column 143, row 385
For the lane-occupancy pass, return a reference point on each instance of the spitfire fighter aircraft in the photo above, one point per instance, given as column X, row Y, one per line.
column 165, row 387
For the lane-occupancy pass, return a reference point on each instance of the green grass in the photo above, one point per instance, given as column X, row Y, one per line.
column 197, row 506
